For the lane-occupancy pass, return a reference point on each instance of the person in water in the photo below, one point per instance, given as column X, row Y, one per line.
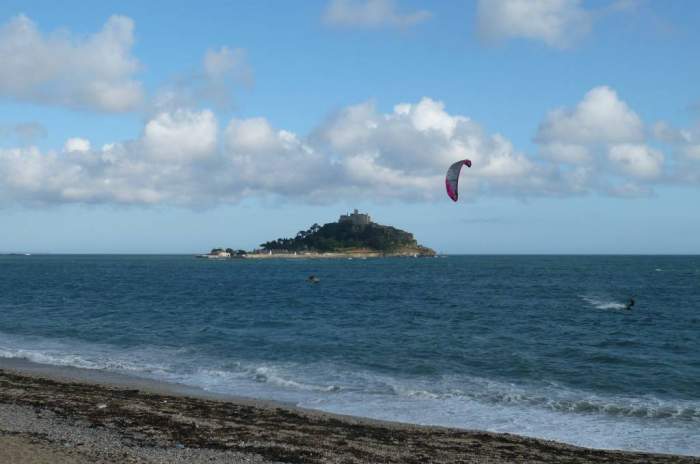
column 629, row 304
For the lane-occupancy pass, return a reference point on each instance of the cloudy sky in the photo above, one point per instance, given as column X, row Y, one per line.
column 173, row 127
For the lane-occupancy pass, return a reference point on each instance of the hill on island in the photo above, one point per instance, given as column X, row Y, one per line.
column 353, row 232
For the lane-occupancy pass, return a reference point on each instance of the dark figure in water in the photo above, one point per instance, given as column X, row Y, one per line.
column 629, row 304
column 313, row 279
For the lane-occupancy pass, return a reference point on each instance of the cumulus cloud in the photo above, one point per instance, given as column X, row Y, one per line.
column 187, row 157
column 411, row 146
column 77, row 144
column 180, row 136
column 371, row 14
column 95, row 72
column 557, row 23
column 605, row 142
column 181, row 158
column 638, row 161
column 165, row 164
column 685, row 145
column 600, row 117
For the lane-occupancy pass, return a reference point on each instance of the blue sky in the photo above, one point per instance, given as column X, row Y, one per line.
column 173, row 127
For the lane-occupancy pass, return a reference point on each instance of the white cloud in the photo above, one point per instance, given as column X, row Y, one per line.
column 412, row 146
column 77, row 144
column 430, row 115
column 252, row 135
column 174, row 161
column 95, row 72
column 600, row 117
column 371, row 14
column 179, row 159
column 685, row 143
column 637, row 160
column 183, row 158
column 557, row 23
column 181, row 136
column 262, row 160
column 603, row 140
column 564, row 152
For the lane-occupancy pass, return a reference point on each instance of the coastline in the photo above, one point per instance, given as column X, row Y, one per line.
column 72, row 415
column 329, row 255
column 355, row 254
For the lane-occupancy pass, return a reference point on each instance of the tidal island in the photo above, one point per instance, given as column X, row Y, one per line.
column 354, row 235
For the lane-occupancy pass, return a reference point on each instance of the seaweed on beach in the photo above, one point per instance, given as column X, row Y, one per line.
column 281, row 434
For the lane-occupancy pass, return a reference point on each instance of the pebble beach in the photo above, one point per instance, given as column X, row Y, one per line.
column 51, row 418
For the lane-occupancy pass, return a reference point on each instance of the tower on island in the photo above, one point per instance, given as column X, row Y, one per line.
column 356, row 218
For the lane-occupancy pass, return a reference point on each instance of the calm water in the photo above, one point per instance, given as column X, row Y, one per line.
column 533, row 345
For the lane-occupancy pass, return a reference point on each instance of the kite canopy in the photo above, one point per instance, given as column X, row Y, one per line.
column 452, row 177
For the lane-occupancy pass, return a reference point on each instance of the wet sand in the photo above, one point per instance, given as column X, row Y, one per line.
column 71, row 416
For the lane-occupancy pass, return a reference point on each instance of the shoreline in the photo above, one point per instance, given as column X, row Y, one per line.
column 329, row 255
column 64, row 408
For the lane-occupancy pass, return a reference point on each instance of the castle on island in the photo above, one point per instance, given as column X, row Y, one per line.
column 353, row 235
column 356, row 218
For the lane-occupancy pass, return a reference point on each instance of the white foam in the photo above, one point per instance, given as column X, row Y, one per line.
column 603, row 304
column 547, row 411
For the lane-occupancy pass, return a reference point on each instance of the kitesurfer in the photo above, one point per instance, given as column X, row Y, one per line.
column 629, row 304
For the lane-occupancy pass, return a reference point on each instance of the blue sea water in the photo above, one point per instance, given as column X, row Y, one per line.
column 534, row 345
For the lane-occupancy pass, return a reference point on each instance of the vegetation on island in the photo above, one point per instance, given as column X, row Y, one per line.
column 346, row 236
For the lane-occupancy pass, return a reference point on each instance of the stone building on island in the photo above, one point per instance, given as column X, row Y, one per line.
column 356, row 218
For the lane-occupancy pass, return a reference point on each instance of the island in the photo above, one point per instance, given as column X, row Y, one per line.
column 354, row 235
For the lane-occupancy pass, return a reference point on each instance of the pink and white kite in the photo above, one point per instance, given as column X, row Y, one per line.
column 452, row 177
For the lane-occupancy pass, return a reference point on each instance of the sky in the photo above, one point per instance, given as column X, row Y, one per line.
column 179, row 126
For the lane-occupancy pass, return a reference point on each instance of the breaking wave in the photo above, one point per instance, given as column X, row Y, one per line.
column 458, row 400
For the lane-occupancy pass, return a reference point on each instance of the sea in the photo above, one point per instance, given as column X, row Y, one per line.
column 540, row 346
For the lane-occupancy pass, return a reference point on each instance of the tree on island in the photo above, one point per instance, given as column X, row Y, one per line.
column 341, row 236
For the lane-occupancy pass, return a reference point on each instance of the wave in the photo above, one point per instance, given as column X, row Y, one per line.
column 544, row 410
column 603, row 304
column 158, row 363
column 567, row 400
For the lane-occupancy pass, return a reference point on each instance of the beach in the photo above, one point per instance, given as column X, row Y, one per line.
column 69, row 416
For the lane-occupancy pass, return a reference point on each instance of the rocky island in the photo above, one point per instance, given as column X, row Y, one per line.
column 353, row 235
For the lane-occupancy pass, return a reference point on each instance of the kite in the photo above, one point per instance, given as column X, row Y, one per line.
column 452, row 177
